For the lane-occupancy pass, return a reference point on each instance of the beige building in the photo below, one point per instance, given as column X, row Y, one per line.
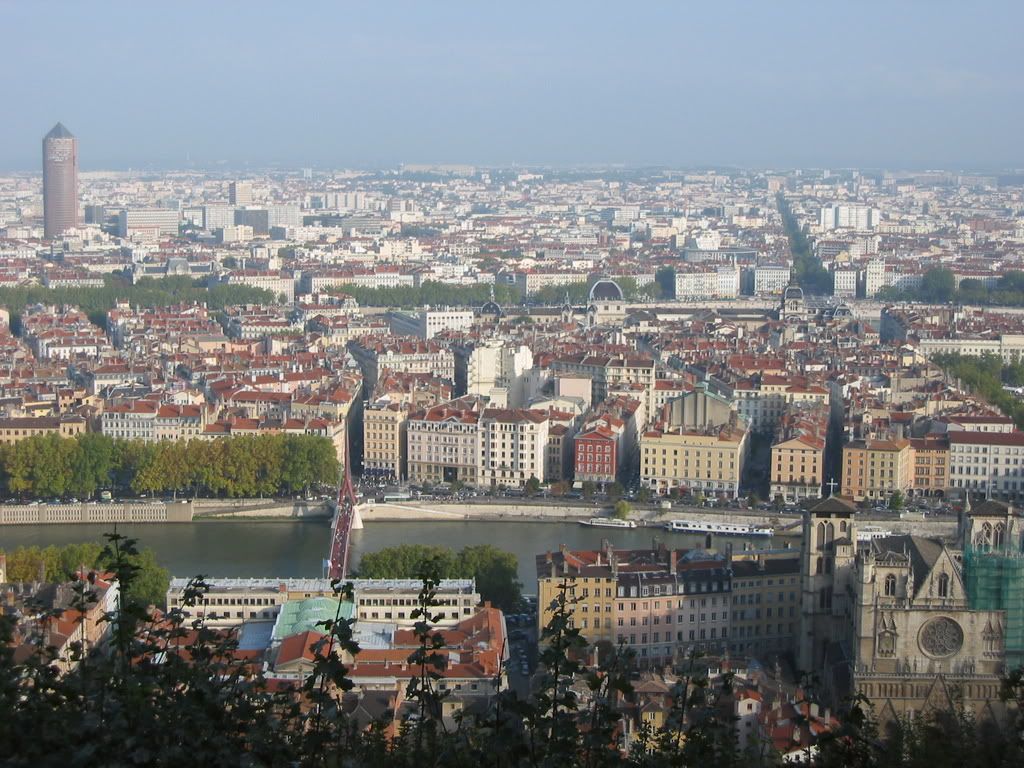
column 875, row 469
column 798, row 453
column 709, row 461
column 930, row 459
column 513, row 447
column 13, row 430
column 444, row 443
column 385, row 440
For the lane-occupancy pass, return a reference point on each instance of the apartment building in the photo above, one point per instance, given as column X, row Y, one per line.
column 765, row 603
column 15, row 429
column 530, row 281
column 987, row 463
column 402, row 356
column 561, row 439
column 770, row 279
column 444, row 443
column 608, row 372
column 152, row 421
column 708, row 461
column 874, row 469
column 797, row 460
column 149, row 223
column 764, row 398
column 596, row 455
column 699, row 281
column 513, row 447
column 660, row 603
column 385, row 440
column 430, row 322
column 930, row 459
column 590, row 579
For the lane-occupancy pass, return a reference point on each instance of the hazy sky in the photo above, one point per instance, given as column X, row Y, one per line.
column 771, row 83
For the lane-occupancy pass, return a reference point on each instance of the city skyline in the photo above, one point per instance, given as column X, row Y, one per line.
column 739, row 86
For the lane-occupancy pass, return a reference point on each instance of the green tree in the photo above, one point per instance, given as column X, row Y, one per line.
column 896, row 501
column 616, row 491
column 665, row 277
column 496, row 573
column 589, row 489
column 621, row 510
column 938, row 285
column 532, row 486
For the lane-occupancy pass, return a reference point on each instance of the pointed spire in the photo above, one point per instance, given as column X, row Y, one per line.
column 59, row 131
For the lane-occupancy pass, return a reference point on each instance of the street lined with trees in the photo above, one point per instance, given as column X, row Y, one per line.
column 52, row 467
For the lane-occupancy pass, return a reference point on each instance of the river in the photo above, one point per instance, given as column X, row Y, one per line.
column 297, row 548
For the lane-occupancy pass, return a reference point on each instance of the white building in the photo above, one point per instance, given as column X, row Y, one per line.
column 218, row 217
column 844, row 281
column 430, row 322
column 874, row 278
column 987, row 463
column 702, row 282
column 149, row 223
column 513, row 447
column 856, row 217
column 771, row 279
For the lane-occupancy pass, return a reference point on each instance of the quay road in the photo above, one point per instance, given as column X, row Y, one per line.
column 479, row 508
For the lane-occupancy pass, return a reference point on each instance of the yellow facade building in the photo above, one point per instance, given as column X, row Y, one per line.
column 874, row 469
column 708, row 461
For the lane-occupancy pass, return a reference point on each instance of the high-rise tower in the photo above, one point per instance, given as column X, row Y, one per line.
column 60, row 181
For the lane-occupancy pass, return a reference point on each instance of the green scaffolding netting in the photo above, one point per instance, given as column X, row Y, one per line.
column 995, row 582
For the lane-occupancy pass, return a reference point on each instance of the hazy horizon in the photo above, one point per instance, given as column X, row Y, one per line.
column 232, row 85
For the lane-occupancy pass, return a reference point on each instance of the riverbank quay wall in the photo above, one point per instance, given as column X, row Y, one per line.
column 184, row 511
column 70, row 514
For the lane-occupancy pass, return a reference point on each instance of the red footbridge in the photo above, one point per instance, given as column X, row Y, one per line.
column 341, row 527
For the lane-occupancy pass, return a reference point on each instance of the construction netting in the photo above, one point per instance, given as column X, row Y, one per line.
column 995, row 582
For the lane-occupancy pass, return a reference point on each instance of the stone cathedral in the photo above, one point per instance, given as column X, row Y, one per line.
column 913, row 623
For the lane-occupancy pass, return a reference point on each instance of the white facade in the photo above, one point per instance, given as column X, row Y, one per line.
column 149, row 222
column 513, row 447
column 874, row 278
column 771, row 279
column 844, row 281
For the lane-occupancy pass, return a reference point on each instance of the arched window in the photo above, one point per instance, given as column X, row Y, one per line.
column 830, row 534
column 842, row 527
column 817, row 567
column 999, row 536
column 890, row 586
column 984, row 539
column 828, row 565
column 821, row 535
column 943, row 585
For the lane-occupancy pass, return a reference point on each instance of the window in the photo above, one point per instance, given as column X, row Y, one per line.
column 890, row 586
column 943, row 585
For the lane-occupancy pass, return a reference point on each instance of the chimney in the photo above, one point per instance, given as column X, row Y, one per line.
column 672, row 567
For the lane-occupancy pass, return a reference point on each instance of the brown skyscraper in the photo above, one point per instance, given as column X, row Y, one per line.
column 60, row 181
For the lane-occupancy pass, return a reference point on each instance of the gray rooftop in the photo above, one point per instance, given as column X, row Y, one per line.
column 59, row 132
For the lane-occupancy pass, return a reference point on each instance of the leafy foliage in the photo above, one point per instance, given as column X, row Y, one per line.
column 495, row 571
column 986, row 376
column 429, row 293
column 938, row 285
column 808, row 271
column 147, row 292
column 49, row 466
column 169, row 691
